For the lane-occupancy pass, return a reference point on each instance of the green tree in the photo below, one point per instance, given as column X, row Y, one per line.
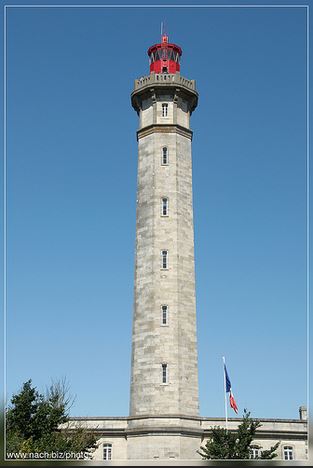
column 226, row 444
column 33, row 422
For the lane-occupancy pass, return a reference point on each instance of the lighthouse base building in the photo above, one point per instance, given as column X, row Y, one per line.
column 164, row 423
column 148, row 439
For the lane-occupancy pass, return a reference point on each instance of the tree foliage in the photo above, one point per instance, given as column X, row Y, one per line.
column 33, row 422
column 228, row 444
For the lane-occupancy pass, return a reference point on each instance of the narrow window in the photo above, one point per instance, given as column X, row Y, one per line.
column 164, row 206
column 164, row 318
column 164, row 110
column 164, row 259
column 164, row 373
column 288, row 453
column 107, row 451
column 164, row 156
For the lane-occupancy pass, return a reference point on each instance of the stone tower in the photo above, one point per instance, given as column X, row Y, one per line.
column 164, row 370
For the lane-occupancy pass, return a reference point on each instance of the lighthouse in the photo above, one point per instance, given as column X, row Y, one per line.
column 164, row 424
column 164, row 367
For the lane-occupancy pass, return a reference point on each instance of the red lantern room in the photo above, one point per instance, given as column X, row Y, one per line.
column 164, row 57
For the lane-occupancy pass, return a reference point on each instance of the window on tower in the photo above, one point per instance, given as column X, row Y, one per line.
column 164, row 156
column 164, row 110
column 164, row 206
column 164, row 259
column 164, row 315
column 164, row 374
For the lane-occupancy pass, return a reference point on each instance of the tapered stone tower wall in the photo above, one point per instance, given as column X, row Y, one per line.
column 164, row 370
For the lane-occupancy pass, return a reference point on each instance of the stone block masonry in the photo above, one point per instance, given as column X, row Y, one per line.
column 164, row 377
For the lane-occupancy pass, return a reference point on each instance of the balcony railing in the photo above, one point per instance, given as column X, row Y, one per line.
column 163, row 79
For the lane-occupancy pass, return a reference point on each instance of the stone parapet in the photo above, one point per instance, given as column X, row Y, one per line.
column 164, row 79
column 270, row 428
column 173, row 84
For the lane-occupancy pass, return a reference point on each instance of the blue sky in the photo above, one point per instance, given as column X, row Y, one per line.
column 72, row 161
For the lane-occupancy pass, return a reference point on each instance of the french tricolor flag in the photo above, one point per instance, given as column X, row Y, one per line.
column 232, row 401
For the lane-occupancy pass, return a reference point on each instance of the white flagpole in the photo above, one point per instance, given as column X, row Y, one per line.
column 226, row 418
